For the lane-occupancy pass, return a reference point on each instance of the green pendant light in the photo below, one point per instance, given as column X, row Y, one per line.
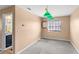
column 48, row 15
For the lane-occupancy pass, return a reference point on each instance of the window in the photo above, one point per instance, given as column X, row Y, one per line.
column 8, row 21
column 54, row 25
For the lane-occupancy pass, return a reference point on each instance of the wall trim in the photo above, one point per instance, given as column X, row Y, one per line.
column 56, row 39
column 75, row 47
column 8, row 48
column 27, row 47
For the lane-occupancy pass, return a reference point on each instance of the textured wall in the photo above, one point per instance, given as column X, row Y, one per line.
column 64, row 34
column 74, row 28
column 27, row 28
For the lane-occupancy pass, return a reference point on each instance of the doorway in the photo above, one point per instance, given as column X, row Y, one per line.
column 7, row 32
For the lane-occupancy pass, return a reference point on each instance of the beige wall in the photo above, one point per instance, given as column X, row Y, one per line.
column 27, row 28
column 64, row 34
column 74, row 28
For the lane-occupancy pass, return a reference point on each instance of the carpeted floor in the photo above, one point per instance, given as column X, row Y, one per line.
column 46, row 46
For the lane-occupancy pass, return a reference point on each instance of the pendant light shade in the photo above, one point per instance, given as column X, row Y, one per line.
column 48, row 15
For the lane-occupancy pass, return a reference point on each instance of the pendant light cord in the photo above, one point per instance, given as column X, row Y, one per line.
column 46, row 8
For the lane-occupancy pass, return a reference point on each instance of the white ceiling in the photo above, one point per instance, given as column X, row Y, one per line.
column 56, row 10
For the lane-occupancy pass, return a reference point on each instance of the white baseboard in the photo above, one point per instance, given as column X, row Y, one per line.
column 57, row 39
column 75, row 47
column 27, row 47
column 8, row 48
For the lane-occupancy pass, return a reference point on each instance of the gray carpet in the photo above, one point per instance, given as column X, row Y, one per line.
column 46, row 46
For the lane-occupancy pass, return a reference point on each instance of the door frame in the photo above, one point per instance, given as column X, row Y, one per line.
column 3, row 31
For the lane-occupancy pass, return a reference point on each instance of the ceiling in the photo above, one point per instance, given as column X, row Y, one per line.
column 56, row 10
